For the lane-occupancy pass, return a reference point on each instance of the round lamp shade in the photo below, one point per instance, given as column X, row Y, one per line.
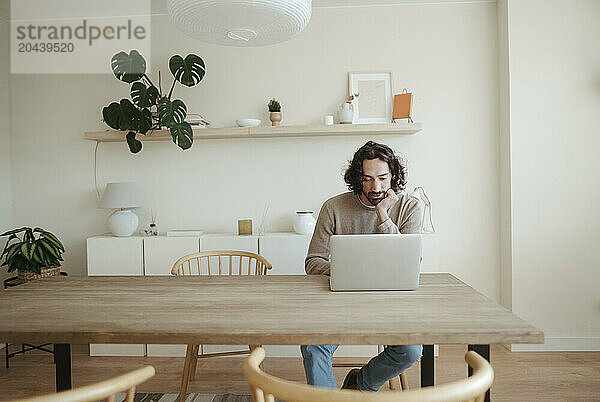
column 240, row 22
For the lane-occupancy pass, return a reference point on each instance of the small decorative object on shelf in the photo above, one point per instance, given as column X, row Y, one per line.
column 185, row 233
column 33, row 257
column 304, row 222
column 152, row 109
column 346, row 110
column 244, row 226
column 402, row 106
column 197, row 120
column 275, row 112
column 152, row 230
column 375, row 104
column 247, row 122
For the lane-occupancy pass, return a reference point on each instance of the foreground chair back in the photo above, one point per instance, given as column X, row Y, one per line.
column 105, row 390
column 222, row 263
column 266, row 387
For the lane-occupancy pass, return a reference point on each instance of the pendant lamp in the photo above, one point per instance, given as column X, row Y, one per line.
column 240, row 22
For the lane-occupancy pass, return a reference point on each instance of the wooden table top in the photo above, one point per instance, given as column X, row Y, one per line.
column 253, row 310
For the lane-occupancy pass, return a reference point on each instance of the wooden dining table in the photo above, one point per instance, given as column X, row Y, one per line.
column 268, row 310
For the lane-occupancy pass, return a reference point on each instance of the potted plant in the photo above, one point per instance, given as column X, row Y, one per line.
column 34, row 257
column 152, row 108
column 275, row 112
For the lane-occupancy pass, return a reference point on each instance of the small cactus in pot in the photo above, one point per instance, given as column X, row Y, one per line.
column 275, row 112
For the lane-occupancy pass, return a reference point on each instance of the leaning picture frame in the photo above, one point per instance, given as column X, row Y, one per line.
column 374, row 103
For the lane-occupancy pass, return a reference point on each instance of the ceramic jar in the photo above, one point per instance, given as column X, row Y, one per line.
column 304, row 222
column 346, row 113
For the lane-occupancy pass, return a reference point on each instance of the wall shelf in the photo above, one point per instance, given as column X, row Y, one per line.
column 401, row 128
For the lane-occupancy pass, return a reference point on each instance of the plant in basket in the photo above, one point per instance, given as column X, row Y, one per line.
column 34, row 253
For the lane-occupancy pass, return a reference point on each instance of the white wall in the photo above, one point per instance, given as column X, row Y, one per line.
column 6, row 220
column 446, row 53
column 555, row 121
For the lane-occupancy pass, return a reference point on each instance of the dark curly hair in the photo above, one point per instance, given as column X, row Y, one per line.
column 374, row 150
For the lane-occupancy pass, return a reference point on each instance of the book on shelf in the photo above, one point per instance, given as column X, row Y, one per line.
column 184, row 233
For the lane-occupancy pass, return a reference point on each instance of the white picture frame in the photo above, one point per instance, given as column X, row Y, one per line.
column 375, row 101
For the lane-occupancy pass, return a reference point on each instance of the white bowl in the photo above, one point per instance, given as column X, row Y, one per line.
column 247, row 122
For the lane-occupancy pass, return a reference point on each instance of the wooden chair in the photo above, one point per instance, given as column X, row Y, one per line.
column 266, row 387
column 401, row 380
column 230, row 263
column 105, row 390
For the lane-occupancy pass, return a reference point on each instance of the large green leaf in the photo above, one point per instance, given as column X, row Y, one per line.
column 18, row 263
column 49, row 247
column 10, row 232
column 188, row 71
column 142, row 95
column 27, row 250
column 119, row 115
column 126, row 116
column 50, row 237
column 134, row 144
column 112, row 115
column 182, row 135
column 10, row 238
column 170, row 113
column 28, row 235
column 128, row 67
column 145, row 121
column 38, row 256
column 13, row 250
column 130, row 114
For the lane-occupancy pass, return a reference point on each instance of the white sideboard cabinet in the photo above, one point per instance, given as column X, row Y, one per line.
column 109, row 255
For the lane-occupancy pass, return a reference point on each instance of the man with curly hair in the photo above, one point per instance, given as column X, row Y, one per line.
column 374, row 204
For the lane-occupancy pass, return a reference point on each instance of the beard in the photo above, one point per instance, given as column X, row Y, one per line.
column 374, row 197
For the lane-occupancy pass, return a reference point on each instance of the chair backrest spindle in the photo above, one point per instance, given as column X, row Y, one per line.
column 261, row 265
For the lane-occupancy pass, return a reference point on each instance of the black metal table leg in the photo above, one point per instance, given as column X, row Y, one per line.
column 427, row 367
column 484, row 351
column 62, row 360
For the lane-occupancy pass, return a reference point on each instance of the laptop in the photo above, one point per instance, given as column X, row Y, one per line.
column 375, row 262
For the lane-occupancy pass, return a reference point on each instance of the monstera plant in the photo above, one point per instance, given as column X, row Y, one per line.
column 150, row 109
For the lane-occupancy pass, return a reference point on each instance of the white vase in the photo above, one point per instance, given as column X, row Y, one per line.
column 346, row 113
column 304, row 222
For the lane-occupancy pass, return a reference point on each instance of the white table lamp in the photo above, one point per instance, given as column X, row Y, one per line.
column 123, row 197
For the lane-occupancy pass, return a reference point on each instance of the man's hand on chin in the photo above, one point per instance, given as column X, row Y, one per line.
column 384, row 205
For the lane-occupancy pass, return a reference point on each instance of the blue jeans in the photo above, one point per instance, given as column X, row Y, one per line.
column 393, row 361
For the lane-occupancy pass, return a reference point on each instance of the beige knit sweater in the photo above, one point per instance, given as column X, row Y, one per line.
column 346, row 214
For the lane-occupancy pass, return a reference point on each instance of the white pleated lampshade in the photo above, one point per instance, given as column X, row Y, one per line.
column 240, row 22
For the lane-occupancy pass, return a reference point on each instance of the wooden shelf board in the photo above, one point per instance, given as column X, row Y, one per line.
column 401, row 128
